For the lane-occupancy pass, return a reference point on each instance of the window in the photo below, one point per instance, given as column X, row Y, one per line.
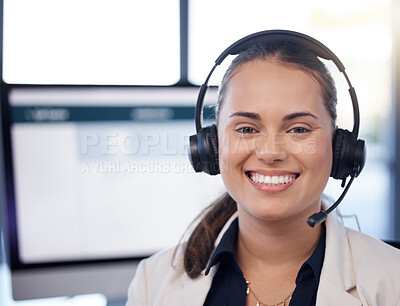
column 91, row 42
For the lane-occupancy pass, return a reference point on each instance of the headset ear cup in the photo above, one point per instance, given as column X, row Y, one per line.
column 194, row 155
column 336, row 151
column 348, row 155
column 360, row 156
column 213, row 154
column 204, row 150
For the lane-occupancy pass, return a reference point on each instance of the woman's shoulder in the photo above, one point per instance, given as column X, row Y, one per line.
column 167, row 260
column 361, row 245
column 157, row 274
column 368, row 245
column 359, row 264
column 376, row 266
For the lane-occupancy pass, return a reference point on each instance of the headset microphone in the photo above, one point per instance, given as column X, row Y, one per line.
column 319, row 217
column 349, row 152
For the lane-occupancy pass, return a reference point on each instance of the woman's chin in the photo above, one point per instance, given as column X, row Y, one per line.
column 270, row 213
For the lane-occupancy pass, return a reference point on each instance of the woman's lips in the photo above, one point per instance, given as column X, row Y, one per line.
column 273, row 182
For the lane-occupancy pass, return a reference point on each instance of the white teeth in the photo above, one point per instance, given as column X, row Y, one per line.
column 272, row 180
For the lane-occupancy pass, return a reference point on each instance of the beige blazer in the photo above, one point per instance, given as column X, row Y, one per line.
column 357, row 270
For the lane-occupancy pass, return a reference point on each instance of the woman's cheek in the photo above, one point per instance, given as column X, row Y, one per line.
column 319, row 154
column 234, row 149
column 227, row 148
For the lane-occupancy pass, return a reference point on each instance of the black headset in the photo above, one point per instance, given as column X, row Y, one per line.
column 349, row 152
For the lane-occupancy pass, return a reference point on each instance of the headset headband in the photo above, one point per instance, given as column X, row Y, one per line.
column 276, row 35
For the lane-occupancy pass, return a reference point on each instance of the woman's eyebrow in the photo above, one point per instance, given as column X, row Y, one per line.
column 250, row 115
column 299, row 114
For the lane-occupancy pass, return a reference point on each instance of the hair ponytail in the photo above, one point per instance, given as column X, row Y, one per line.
column 201, row 242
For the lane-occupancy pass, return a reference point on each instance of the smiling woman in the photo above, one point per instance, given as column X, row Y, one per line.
column 275, row 145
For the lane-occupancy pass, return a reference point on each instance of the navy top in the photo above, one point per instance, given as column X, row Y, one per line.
column 229, row 287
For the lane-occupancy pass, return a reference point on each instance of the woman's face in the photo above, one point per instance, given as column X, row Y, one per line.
column 275, row 141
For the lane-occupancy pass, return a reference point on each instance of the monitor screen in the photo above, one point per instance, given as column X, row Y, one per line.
column 98, row 175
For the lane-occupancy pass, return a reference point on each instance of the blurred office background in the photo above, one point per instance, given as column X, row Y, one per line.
column 97, row 102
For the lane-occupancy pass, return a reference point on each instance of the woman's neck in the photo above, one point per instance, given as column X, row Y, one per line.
column 265, row 245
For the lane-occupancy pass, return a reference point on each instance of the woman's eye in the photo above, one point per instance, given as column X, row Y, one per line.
column 299, row 130
column 246, row 130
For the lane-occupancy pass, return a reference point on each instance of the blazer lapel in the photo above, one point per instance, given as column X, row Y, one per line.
column 331, row 295
column 193, row 292
column 337, row 280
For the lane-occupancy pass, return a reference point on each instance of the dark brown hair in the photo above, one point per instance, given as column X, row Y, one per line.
column 200, row 244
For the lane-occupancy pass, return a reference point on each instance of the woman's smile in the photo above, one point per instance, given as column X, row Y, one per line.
column 272, row 181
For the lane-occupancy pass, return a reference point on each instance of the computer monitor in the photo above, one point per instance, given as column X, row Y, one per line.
column 96, row 178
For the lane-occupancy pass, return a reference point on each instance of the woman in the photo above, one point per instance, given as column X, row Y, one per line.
column 275, row 121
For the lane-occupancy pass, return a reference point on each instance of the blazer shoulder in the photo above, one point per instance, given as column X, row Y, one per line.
column 154, row 274
column 372, row 247
column 168, row 262
column 376, row 269
column 164, row 260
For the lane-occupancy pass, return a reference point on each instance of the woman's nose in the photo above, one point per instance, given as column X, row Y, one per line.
column 271, row 148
